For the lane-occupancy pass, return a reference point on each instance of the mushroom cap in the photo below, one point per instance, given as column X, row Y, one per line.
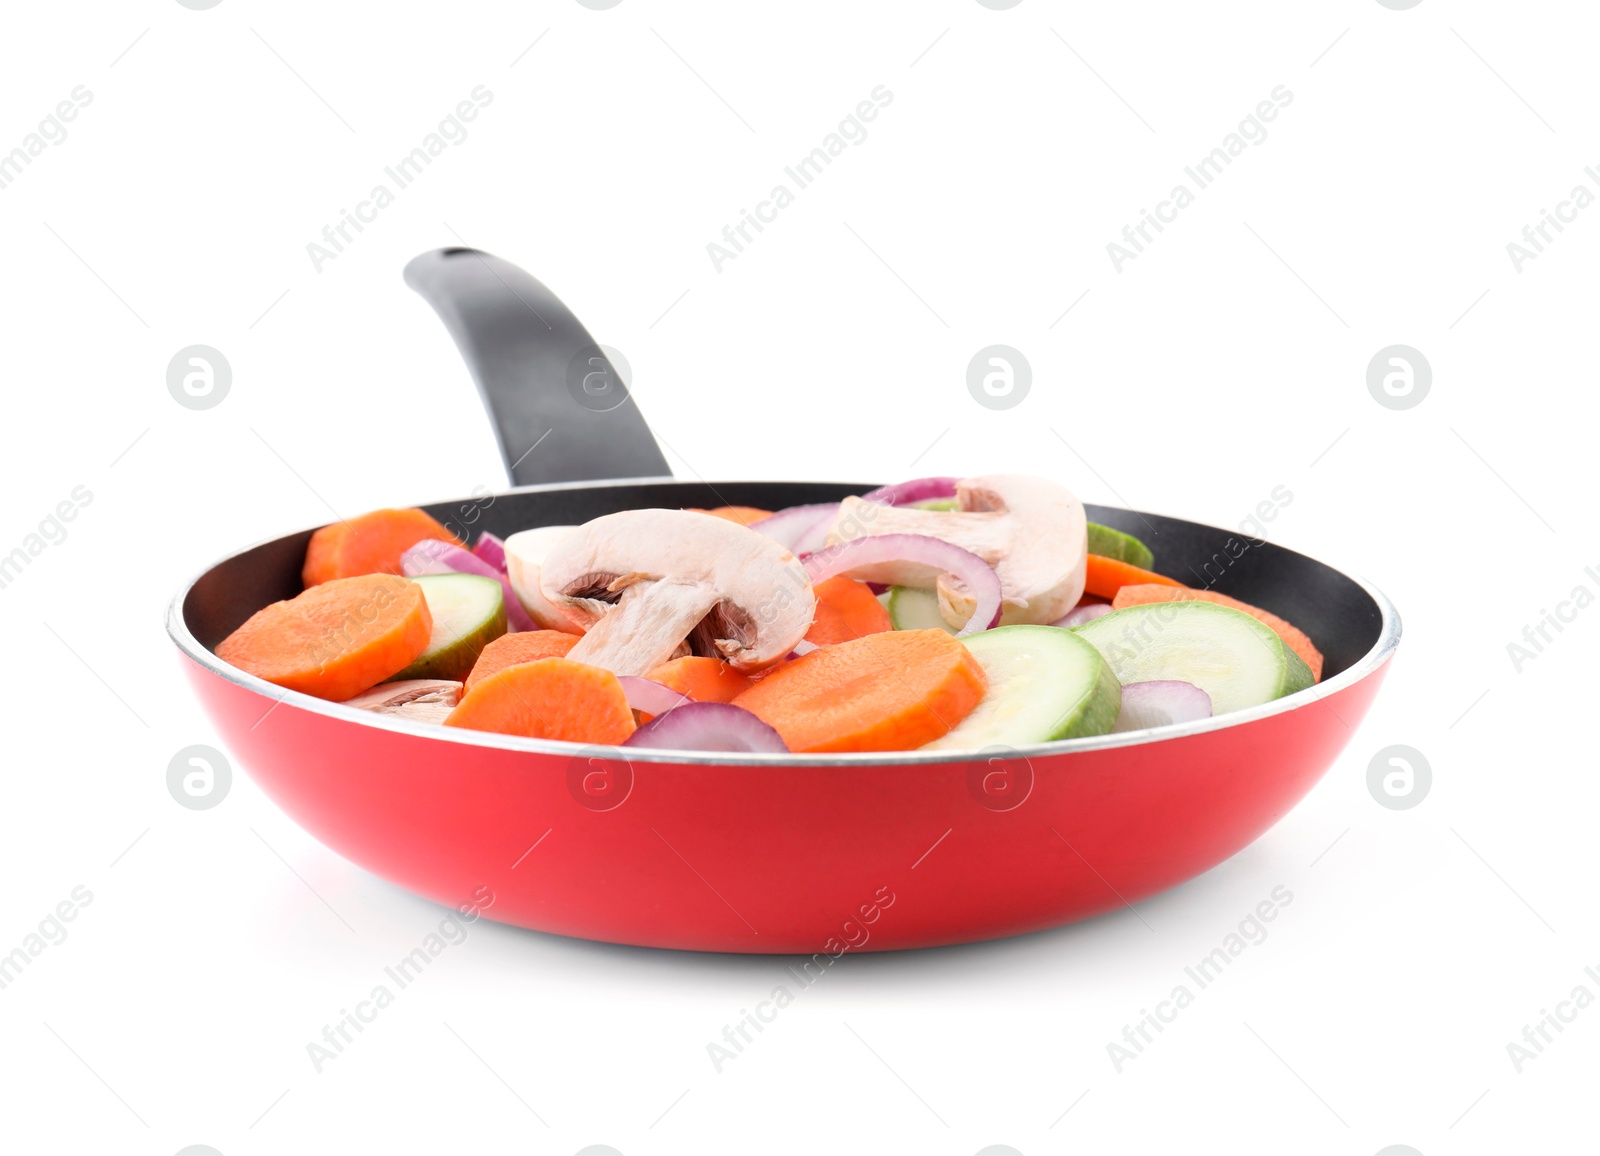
column 1042, row 573
column 428, row 700
column 763, row 603
column 1031, row 530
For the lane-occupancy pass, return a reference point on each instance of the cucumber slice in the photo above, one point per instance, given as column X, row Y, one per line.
column 469, row 612
column 913, row 609
column 1238, row 661
column 940, row 504
column 1109, row 543
column 1044, row 683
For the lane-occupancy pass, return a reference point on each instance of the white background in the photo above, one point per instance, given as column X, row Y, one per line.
column 1228, row 359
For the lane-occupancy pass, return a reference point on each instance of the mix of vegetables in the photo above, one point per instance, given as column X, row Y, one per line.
column 938, row 614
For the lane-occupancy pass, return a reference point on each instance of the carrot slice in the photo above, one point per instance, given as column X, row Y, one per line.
column 337, row 639
column 548, row 698
column 1293, row 637
column 523, row 646
column 744, row 515
column 702, row 679
column 893, row 691
column 369, row 544
column 1105, row 576
column 846, row 609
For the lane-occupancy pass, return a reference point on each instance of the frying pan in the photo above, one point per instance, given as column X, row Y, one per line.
column 808, row 854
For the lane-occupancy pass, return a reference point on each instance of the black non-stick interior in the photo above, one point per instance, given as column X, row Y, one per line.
column 1339, row 615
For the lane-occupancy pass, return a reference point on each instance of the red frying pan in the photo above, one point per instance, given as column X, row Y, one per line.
column 808, row 854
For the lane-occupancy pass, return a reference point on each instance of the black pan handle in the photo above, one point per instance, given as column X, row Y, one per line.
column 561, row 410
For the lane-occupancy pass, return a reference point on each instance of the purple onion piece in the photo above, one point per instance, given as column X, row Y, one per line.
column 1083, row 612
column 708, row 726
column 492, row 550
column 916, row 490
column 917, row 560
column 651, row 697
column 816, row 536
column 788, row 526
column 1161, row 703
column 431, row 556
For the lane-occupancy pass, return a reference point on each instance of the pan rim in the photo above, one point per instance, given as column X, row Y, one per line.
column 1382, row 649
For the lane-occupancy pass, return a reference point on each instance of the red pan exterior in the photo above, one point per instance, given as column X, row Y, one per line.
column 782, row 859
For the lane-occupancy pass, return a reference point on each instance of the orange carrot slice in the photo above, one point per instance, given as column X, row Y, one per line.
column 846, row 609
column 702, row 679
column 744, row 515
column 893, row 691
column 1294, row 638
column 369, row 544
column 337, row 639
column 1105, row 576
column 548, row 698
column 524, row 646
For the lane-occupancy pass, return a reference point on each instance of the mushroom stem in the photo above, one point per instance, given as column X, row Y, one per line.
column 646, row 628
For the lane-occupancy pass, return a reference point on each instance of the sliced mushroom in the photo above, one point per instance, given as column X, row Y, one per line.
column 647, row 582
column 426, row 700
column 526, row 551
column 1032, row 531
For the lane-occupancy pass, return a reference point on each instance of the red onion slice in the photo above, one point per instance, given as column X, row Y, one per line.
column 914, row 560
column 804, row 529
column 789, row 526
column 1161, row 703
column 816, row 538
column 708, row 726
column 1084, row 612
column 431, row 556
column 492, row 550
column 651, row 697
column 916, row 490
